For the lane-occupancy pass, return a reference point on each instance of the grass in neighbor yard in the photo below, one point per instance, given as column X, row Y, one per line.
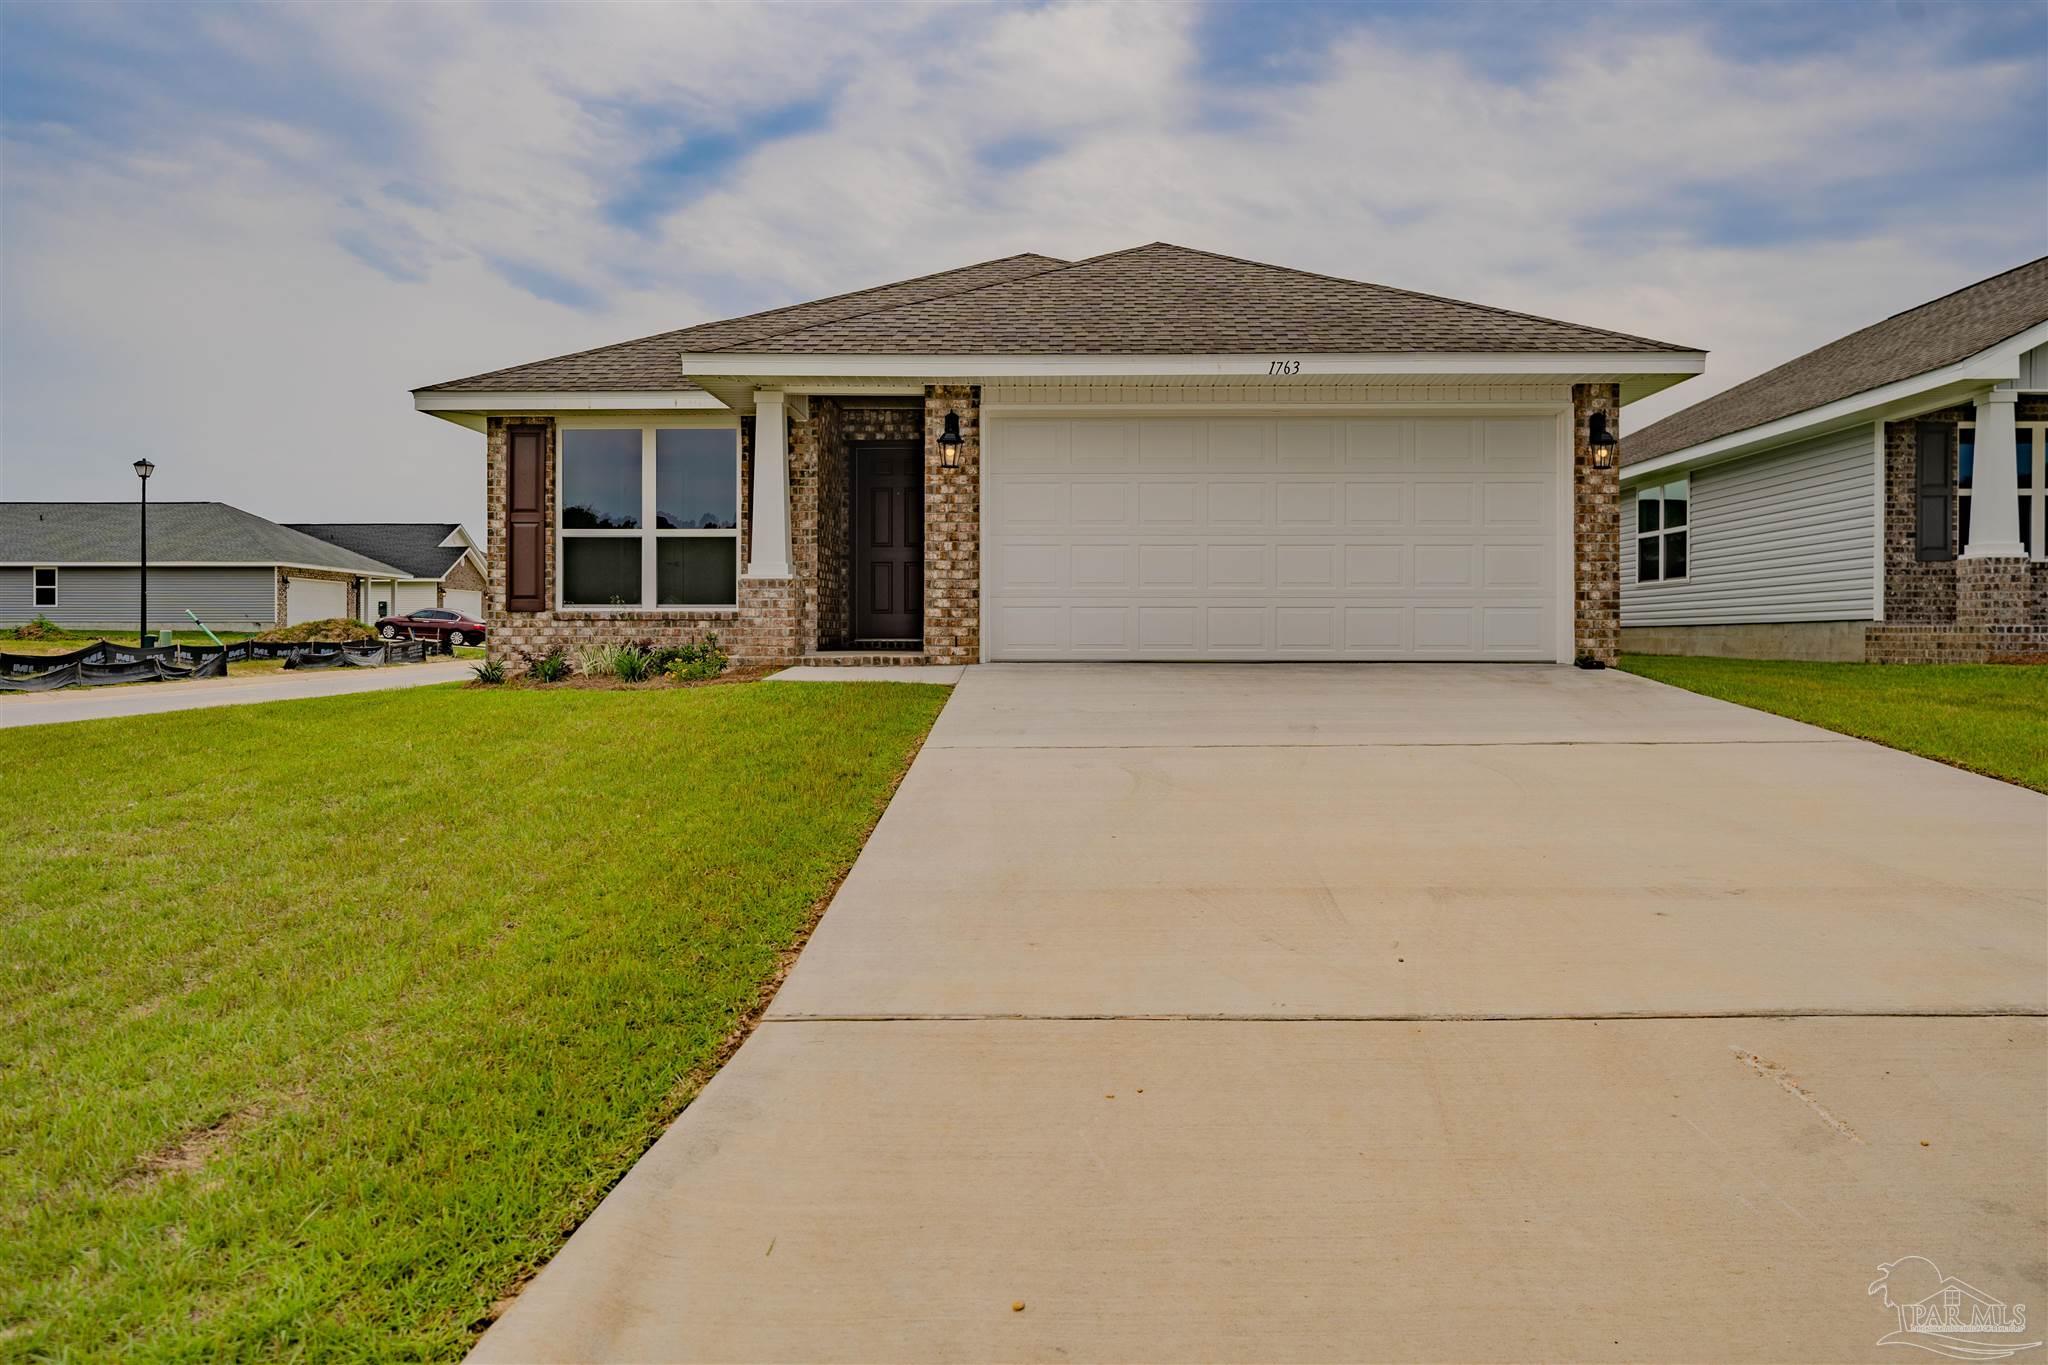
column 1989, row 718
column 323, row 1022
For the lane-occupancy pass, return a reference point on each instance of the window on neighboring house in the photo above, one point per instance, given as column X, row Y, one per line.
column 650, row 517
column 2030, row 442
column 1661, row 524
column 45, row 585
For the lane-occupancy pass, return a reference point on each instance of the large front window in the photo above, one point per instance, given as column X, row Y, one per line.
column 2030, row 443
column 650, row 517
column 1661, row 526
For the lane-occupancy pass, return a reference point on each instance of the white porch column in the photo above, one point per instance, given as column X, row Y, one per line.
column 1995, row 484
column 769, row 553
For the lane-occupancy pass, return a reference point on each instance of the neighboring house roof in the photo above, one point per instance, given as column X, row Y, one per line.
column 1163, row 299
column 653, row 362
column 422, row 549
column 1950, row 328
column 84, row 533
column 1158, row 299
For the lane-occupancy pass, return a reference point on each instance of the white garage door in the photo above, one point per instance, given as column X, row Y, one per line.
column 468, row 601
column 314, row 599
column 1272, row 538
column 413, row 596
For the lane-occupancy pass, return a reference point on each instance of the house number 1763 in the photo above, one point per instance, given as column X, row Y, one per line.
column 1284, row 367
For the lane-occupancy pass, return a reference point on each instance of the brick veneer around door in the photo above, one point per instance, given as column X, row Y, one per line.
column 762, row 629
column 1596, row 530
column 1915, row 593
column 952, row 529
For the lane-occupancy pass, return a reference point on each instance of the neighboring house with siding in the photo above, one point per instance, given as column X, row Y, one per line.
column 442, row 566
column 78, row 564
column 1157, row 453
column 1882, row 498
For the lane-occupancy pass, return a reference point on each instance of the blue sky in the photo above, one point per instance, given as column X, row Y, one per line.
column 238, row 234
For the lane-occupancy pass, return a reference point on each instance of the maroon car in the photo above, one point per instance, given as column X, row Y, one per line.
column 432, row 623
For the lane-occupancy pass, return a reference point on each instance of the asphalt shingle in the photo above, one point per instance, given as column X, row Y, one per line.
column 179, row 533
column 650, row 363
column 1942, row 332
column 414, row 546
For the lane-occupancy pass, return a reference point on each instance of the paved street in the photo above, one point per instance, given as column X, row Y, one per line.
column 143, row 699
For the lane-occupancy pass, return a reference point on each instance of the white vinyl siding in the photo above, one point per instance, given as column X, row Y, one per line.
column 105, row 599
column 1786, row 535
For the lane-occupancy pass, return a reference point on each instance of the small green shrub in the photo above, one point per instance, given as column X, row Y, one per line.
column 490, row 671
column 695, row 662
column 597, row 661
column 42, row 628
column 550, row 667
column 632, row 664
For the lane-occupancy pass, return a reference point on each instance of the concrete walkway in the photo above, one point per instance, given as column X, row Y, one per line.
column 143, row 699
column 1339, row 1013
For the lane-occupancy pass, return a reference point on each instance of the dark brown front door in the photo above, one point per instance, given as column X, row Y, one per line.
column 888, row 543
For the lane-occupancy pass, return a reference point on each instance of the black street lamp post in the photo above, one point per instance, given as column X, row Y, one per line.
column 143, row 469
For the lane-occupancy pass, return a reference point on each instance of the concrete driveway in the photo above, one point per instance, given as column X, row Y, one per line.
column 1385, row 1012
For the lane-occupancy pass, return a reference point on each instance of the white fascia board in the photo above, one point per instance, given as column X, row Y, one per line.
column 1920, row 393
column 800, row 366
column 621, row 400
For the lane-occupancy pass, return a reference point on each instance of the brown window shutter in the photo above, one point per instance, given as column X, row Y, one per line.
column 526, row 532
column 1934, row 492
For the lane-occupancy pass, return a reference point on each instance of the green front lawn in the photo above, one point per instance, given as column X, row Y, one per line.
column 324, row 1022
column 1989, row 718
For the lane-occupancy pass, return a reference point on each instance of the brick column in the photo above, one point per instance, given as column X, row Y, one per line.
column 952, row 529
column 1596, row 530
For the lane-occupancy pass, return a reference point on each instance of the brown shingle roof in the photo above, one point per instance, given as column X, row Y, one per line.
column 1163, row 299
column 1951, row 328
column 650, row 362
column 1150, row 300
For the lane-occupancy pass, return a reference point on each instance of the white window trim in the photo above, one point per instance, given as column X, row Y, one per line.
column 647, row 533
column 1662, row 530
column 2037, row 496
column 56, row 592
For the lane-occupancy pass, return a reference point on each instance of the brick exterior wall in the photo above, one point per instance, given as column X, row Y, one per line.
column 952, row 529
column 1914, row 593
column 1596, row 530
column 762, row 628
column 463, row 575
column 1952, row 610
column 819, row 506
column 354, row 609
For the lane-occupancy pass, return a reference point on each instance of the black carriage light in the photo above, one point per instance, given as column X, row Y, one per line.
column 1603, row 441
column 950, row 442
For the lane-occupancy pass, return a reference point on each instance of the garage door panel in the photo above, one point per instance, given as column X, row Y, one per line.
column 1101, row 566
column 1517, row 505
column 1238, row 504
column 1376, row 504
column 1241, row 443
column 1306, row 505
column 1168, row 504
column 1214, row 537
column 1030, row 505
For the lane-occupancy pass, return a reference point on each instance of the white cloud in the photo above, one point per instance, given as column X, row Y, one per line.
column 252, row 296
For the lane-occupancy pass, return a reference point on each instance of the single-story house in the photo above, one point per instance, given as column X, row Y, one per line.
column 1159, row 453
column 442, row 565
column 78, row 563
column 1881, row 498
